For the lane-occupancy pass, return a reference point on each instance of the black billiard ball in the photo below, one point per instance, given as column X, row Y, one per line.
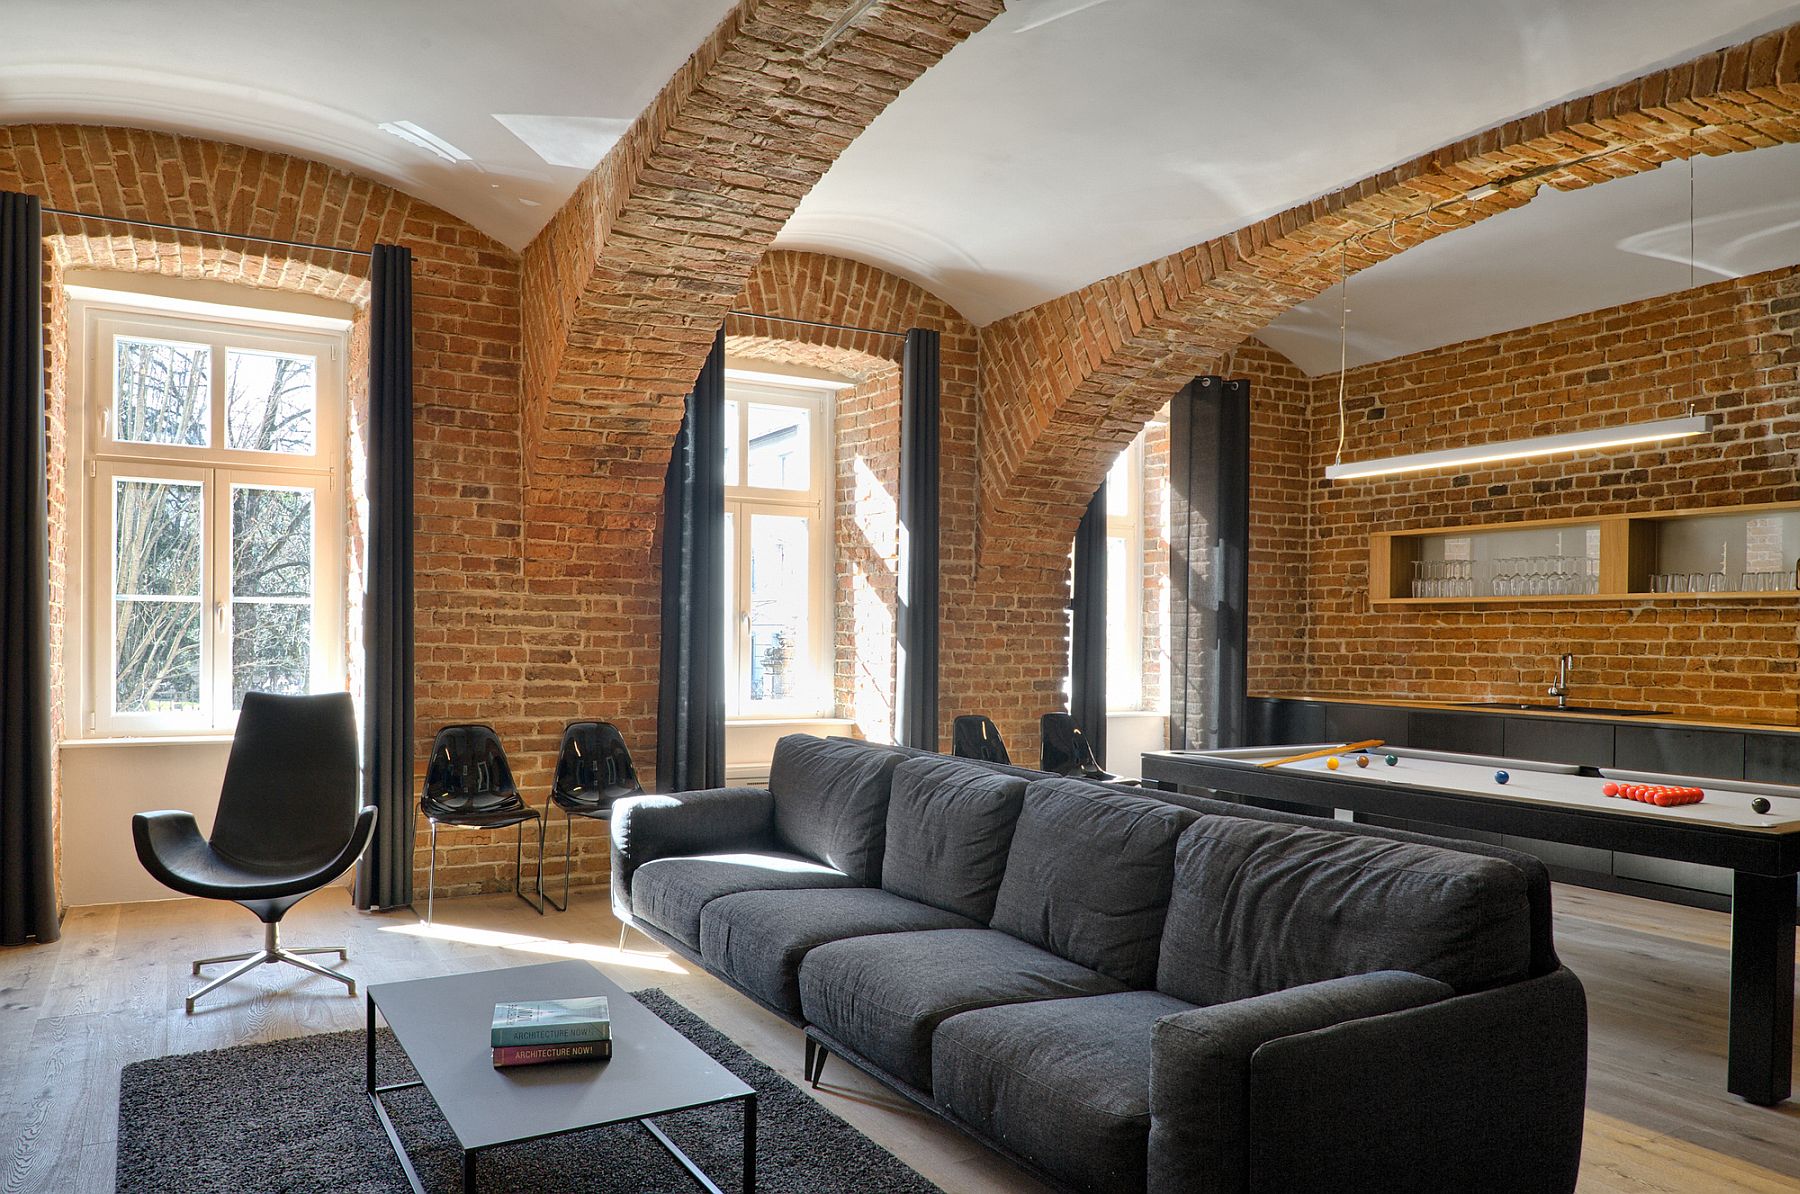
column 1759, row 805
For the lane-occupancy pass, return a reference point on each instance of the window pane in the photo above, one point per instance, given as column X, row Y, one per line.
column 780, row 447
column 156, row 538
column 731, row 447
column 162, row 392
column 156, row 656
column 779, row 587
column 271, row 542
column 269, row 402
column 271, row 648
column 1119, row 484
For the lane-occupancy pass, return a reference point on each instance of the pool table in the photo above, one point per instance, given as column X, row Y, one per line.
column 1563, row 803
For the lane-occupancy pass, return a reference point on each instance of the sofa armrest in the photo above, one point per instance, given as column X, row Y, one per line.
column 645, row 828
column 1479, row 1092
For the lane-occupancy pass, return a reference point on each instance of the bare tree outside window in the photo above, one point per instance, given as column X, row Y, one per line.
column 163, row 393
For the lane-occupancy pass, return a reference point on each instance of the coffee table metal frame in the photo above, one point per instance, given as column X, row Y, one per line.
column 469, row 1155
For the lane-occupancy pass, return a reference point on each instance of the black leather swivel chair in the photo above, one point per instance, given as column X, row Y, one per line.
column 288, row 824
column 1065, row 749
column 593, row 769
column 976, row 737
column 468, row 785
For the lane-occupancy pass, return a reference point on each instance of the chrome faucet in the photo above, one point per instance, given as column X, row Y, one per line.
column 1560, row 689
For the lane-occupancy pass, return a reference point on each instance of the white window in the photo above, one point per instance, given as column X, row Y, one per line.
column 213, row 515
column 1137, row 534
column 778, row 558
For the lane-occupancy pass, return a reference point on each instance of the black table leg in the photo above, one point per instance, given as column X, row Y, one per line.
column 468, row 1171
column 1760, row 1065
column 750, row 1145
column 369, row 1046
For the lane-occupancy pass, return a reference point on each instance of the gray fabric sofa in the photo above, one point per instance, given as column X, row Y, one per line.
column 1125, row 993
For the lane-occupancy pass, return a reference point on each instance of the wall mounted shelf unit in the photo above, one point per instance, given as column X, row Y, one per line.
column 1719, row 553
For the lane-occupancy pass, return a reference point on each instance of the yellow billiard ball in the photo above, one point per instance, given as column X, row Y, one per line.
column 1331, row 764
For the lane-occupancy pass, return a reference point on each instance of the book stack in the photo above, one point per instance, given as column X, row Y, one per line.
column 542, row 1030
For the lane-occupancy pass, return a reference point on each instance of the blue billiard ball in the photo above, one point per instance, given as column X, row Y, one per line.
column 1393, row 760
column 1501, row 777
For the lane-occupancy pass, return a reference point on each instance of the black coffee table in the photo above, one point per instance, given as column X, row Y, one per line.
column 442, row 1025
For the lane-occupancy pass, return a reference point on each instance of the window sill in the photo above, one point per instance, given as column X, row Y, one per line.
column 147, row 740
column 1156, row 714
column 732, row 723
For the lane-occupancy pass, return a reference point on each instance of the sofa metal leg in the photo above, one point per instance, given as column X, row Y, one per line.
column 816, row 1066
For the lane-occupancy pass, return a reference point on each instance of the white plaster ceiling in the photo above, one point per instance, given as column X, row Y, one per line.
column 1067, row 141
column 1072, row 139
column 534, row 92
column 1563, row 253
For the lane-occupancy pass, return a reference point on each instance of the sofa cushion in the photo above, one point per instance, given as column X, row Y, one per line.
column 1088, row 876
column 831, row 802
column 949, row 827
column 669, row 893
column 1261, row 907
column 1064, row 1083
column 757, row 938
column 885, row 996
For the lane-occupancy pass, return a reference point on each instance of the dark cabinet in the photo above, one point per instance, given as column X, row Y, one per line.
column 1673, row 750
column 1547, row 740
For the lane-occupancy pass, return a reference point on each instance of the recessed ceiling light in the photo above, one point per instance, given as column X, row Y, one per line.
column 424, row 139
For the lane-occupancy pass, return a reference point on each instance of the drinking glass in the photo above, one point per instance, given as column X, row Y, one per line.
column 1696, row 582
column 1715, row 582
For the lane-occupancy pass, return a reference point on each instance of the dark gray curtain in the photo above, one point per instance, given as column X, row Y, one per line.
column 1209, row 564
column 1087, row 627
column 690, row 708
column 384, row 879
column 27, row 879
column 916, row 621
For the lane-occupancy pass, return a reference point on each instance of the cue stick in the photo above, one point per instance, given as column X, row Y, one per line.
column 1368, row 744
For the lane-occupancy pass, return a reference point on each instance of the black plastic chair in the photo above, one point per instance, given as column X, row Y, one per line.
column 1065, row 749
column 468, row 785
column 975, row 737
column 593, row 769
column 289, row 823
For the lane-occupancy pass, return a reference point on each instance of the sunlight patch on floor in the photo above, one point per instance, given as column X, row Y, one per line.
column 548, row 946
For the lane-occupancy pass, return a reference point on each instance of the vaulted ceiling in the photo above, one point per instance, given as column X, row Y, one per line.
column 1067, row 141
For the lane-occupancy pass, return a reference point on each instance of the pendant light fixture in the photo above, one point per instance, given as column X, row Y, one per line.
column 1618, row 435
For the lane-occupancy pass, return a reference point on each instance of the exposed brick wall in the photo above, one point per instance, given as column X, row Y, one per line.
column 1729, row 347
column 1066, row 384
column 466, row 350
column 1280, row 531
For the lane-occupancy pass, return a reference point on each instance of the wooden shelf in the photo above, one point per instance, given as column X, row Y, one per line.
column 1623, row 548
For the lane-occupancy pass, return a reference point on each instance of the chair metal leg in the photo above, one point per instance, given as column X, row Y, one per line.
column 224, row 958
column 519, row 868
column 237, row 971
column 272, row 951
column 568, row 855
column 431, row 875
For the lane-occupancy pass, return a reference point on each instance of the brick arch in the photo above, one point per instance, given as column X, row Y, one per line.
column 1071, row 380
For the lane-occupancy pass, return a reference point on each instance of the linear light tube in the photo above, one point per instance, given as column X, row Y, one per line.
column 1522, row 449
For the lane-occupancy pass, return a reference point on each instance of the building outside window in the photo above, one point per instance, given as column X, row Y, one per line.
column 778, row 553
column 212, row 534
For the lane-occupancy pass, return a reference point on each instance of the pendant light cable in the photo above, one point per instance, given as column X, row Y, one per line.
column 1343, row 343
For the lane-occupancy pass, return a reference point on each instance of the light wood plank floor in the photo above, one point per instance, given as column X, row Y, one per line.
column 109, row 993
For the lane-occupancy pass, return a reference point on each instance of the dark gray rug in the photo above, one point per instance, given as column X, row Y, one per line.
column 292, row 1115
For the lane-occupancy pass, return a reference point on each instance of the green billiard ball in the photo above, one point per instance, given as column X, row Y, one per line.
column 1393, row 760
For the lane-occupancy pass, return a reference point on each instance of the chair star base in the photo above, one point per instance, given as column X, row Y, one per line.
column 272, row 951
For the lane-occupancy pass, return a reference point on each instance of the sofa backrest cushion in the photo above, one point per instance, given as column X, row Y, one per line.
column 949, row 827
column 1088, row 876
column 1537, row 875
column 831, row 801
column 1261, row 907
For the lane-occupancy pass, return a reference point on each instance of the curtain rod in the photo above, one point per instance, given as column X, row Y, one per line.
column 813, row 323
column 267, row 240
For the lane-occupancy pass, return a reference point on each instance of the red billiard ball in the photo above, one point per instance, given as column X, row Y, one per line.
column 1610, row 788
